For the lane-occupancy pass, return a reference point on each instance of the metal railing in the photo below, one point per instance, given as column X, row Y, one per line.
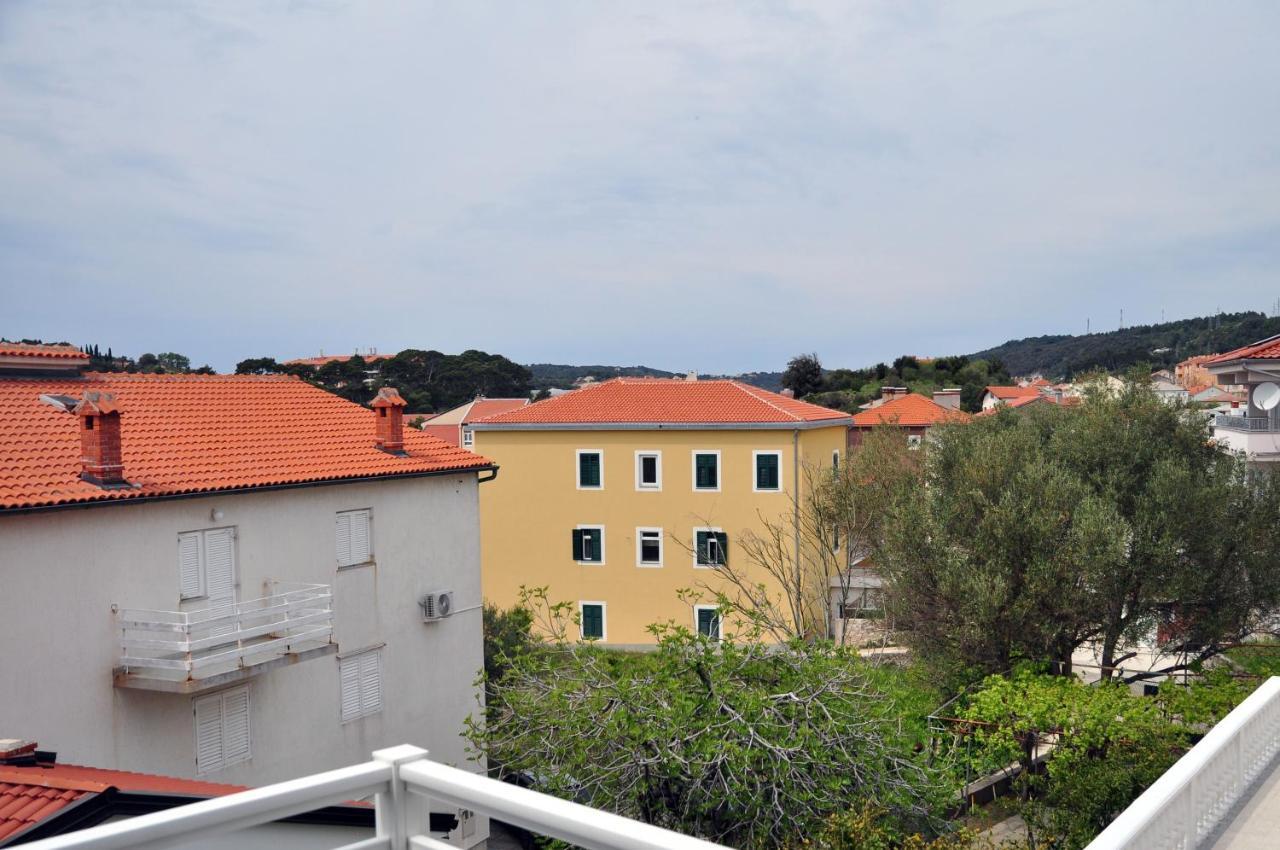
column 403, row 780
column 1243, row 423
column 1184, row 806
column 195, row 644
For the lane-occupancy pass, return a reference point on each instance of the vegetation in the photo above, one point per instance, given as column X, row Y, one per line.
column 803, row 376
column 1162, row 345
column 1040, row 532
column 166, row 362
column 427, row 380
column 846, row 389
column 732, row 741
column 547, row 376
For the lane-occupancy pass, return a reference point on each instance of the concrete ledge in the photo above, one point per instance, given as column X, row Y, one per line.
column 134, row 681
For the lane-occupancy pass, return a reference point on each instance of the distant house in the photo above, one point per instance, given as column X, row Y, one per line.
column 1166, row 389
column 221, row 575
column 452, row 425
column 1003, row 395
column 911, row 412
column 1256, row 368
column 372, row 361
column 1192, row 371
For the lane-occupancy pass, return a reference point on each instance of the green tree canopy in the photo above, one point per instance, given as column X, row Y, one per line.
column 803, row 375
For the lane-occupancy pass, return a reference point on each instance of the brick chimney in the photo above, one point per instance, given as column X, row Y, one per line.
column 890, row 393
column 948, row 397
column 100, row 458
column 388, row 412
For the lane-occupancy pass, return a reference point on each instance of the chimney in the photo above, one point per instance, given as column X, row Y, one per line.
column 788, row 392
column 890, row 393
column 100, row 440
column 388, row 412
column 691, row 375
column 948, row 397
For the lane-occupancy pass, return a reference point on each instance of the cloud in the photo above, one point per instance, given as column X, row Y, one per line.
column 714, row 186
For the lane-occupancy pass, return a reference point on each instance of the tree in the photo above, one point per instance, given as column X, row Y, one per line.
column 259, row 366
column 1038, row 533
column 733, row 741
column 803, row 375
column 173, row 363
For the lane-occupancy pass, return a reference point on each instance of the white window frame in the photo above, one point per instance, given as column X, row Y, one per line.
column 755, row 470
column 221, row 697
column 604, row 619
column 577, row 468
column 603, row 547
column 468, row 438
column 696, row 529
column 640, row 562
column 359, row 658
column 369, row 559
column 640, row 485
column 201, row 536
column 693, row 466
column 835, row 461
column 719, row 636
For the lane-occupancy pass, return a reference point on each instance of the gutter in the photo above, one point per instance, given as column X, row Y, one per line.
column 842, row 421
column 235, row 491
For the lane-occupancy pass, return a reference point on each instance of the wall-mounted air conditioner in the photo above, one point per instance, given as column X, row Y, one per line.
column 436, row 605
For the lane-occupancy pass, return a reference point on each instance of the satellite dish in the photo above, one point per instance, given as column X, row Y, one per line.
column 1266, row 396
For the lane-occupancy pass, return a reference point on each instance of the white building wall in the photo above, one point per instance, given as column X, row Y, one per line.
column 61, row 572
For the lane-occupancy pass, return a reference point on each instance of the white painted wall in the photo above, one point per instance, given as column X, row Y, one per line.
column 60, row 573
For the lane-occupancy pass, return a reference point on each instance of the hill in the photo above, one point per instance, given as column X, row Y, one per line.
column 563, row 376
column 1161, row 345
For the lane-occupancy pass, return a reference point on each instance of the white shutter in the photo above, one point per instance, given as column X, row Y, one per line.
column 191, row 584
column 361, row 680
column 360, row 550
column 343, row 526
column 371, row 682
column 209, row 733
column 235, row 726
column 349, row 675
column 220, row 565
column 222, row 729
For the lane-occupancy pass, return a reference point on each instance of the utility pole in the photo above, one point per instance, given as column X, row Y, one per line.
column 1121, row 318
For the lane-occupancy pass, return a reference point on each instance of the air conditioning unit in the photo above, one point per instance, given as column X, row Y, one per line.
column 436, row 605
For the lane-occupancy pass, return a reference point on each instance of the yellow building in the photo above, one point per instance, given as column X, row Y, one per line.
column 618, row 495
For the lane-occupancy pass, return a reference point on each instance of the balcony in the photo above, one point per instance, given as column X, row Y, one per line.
column 193, row 651
column 403, row 781
column 1223, row 794
column 1255, row 436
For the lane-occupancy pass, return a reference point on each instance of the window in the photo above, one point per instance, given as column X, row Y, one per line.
column 913, row 441
column 707, row 620
column 864, row 603
column 222, row 729
column 353, row 538
column 590, row 469
column 648, row 470
column 768, row 472
column 207, row 565
column 592, row 615
column 712, row 547
column 588, row 544
column 835, row 461
column 706, row 470
column 360, row 679
column 648, row 547
column 468, row 438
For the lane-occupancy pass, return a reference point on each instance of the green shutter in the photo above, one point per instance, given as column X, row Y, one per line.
column 577, row 544
column 589, row 469
column 766, row 472
column 702, row 547
column 596, row 536
column 706, row 476
column 592, row 622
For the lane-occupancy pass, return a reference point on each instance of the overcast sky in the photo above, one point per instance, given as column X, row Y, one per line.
column 706, row 185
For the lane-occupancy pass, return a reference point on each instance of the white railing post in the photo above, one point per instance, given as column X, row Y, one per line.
column 393, row 818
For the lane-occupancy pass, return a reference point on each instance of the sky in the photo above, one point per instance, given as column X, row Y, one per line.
column 687, row 185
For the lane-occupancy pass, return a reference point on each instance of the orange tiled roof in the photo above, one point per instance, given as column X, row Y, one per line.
column 22, row 349
column 667, row 400
column 1004, row 393
column 909, row 411
column 199, row 433
column 334, row 358
column 484, row 407
column 1198, row 359
column 1267, row 349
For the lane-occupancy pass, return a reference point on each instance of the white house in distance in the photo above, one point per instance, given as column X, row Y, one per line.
column 1256, row 368
column 232, row 577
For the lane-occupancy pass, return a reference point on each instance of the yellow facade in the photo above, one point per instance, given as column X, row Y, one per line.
column 529, row 512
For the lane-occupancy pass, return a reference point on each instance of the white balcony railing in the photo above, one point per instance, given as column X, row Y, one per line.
column 190, row 646
column 1184, row 806
column 404, row 781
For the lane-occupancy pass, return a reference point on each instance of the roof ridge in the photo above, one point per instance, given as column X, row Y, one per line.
column 744, row 388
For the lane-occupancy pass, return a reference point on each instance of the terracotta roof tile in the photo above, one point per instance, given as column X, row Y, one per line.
column 1014, row 392
column 909, row 411
column 334, row 358
column 664, row 400
column 61, row 352
column 1266, row 349
column 24, row 805
column 484, row 407
column 199, row 433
